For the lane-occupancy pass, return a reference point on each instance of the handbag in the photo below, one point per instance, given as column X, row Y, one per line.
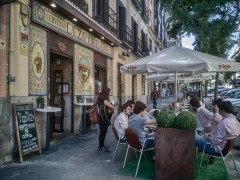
column 93, row 114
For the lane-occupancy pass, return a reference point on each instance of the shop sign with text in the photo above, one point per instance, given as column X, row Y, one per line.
column 51, row 20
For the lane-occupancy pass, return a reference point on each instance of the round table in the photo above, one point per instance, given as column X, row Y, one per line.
column 48, row 110
column 84, row 105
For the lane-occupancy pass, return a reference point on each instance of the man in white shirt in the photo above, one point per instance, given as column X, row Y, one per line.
column 121, row 122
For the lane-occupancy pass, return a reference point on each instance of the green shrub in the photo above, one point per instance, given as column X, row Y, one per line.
column 166, row 118
column 40, row 100
column 185, row 120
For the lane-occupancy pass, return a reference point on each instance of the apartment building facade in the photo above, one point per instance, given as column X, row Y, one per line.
column 62, row 49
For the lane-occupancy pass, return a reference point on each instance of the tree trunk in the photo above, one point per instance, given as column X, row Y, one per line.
column 216, row 86
column 206, row 88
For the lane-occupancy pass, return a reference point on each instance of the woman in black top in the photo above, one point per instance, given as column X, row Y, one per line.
column 106, row 110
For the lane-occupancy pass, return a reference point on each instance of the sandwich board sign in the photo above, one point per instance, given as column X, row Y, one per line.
column 26, row 129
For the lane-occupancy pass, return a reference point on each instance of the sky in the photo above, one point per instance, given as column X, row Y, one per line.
column 187, row 43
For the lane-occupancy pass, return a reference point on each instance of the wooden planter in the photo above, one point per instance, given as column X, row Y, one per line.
column 175, row 152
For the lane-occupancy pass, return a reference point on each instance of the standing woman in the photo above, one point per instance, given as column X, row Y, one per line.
column 106, row 110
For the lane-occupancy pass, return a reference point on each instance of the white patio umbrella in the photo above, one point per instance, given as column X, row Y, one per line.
column 179, row 59
column 164, row 76
column 183, row 77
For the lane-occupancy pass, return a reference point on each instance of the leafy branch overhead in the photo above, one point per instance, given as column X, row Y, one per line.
column 211, row 22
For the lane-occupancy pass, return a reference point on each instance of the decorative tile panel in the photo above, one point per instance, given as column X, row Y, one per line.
column 37, row 61
column 109, row 73
column 83, row 71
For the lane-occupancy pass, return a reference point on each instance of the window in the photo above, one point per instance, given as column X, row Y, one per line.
column 100, row 79
column 150, row 45
column 150, row 18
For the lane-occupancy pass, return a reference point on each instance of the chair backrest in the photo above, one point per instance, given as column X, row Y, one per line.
column 132, row 138
column 229, row 146
column 115, row 132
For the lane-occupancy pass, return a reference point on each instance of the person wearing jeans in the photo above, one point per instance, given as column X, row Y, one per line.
column 227, row 128
column 106, row 110
column 154, row 97
column 138, row 121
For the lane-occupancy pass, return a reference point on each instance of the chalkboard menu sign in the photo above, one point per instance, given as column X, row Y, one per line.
column 26, row 129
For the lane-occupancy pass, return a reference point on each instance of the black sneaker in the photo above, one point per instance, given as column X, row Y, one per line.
column 103, row 150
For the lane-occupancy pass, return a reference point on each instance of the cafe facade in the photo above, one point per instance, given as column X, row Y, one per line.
column 45, row 53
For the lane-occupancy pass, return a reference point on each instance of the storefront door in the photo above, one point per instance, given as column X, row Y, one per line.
column 61, row 85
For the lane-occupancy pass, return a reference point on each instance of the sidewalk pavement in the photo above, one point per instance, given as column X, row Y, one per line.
column 77, row 159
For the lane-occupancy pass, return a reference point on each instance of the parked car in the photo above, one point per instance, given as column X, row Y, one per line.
column 236, row 106
column 238, row 116
column 233, row 98
column 208, row 103
column 211, row 95
column 229, row 93
column 223, row 93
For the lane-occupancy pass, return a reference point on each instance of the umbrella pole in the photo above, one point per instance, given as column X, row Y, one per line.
column 175, row 98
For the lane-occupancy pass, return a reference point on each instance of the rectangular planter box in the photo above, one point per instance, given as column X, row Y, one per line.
column 175, row 152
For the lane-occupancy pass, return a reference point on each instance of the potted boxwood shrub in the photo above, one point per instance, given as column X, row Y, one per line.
column 40, row 102
column 175, row 145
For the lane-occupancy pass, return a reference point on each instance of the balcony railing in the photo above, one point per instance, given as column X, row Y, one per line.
column 126, row 35
column 82, row 4
column 138, row 4
column 108, row 18
column 145, row 12
column 145, row 51
column 137, row 49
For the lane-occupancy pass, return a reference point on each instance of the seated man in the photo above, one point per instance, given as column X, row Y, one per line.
column 137, row 122
column 204, row 116
column 132, row 106
column 228, row 128
column 217, row 118
column 121, row 122
column 192, row 96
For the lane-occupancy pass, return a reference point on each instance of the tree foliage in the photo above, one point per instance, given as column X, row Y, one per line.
column 231, row 75
column 211, row 22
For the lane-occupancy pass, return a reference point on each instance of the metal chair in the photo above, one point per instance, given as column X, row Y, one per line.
column 134, row 143
column 118, row 141
column 222, row 155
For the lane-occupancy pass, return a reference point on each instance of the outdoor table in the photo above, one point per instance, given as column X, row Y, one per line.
column 48, row 110
column 84, row 105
